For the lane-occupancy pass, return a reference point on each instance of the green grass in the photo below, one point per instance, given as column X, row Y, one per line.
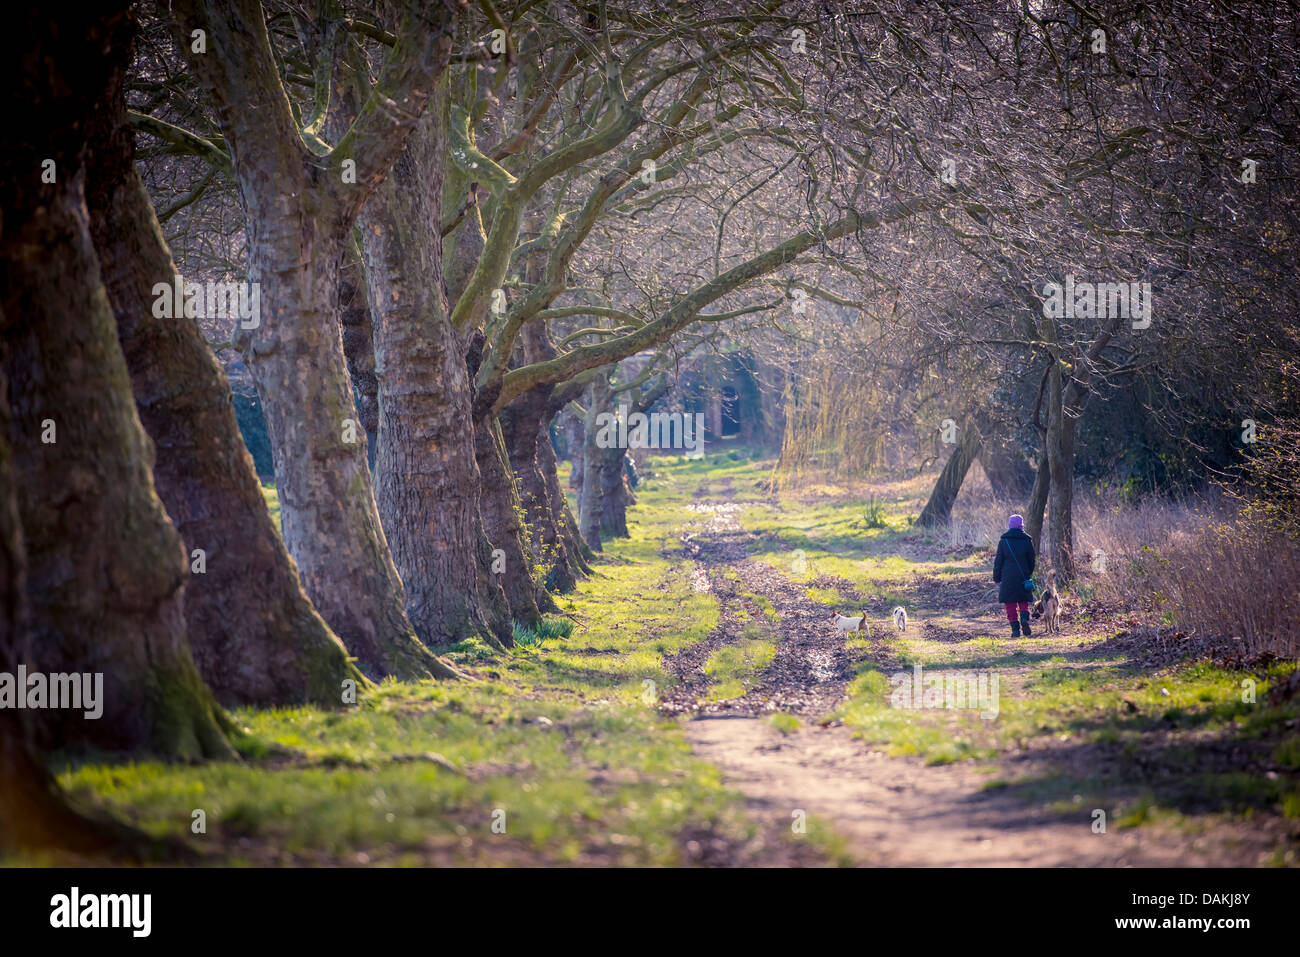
column 1106, row 703
column 904, row 731
column 830, row 597
column 545, row 630
column 875, row 515
column 735, row 668
column 637, row 608
column 1106, row 716
column 785, row 723
column 558, row 737
column 419, row 772
column 1159, row 757
column 560, row 733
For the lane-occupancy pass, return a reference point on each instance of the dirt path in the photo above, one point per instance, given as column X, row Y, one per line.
column 900, row 812
column 811, row 668
column 892, row 811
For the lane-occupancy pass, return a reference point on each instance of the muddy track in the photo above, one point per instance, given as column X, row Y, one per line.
column 812, row 667
column 890, row 811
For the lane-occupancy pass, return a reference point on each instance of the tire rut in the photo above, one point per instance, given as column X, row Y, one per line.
column 810, row 672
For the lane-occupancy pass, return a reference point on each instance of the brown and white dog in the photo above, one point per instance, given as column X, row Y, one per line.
column 1048, row 606
column 845, row 625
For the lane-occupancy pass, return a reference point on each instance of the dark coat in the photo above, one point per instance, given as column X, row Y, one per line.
column 1014, row 546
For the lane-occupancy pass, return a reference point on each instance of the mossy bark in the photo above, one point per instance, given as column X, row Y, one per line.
column 33, row 810
column 255, row 636
column 106, row 567
column 358, row 343
column 575, row 441
column 525, row 427
column 300, row 207
column 566, row 523
column 502, row 511
column 427, row 482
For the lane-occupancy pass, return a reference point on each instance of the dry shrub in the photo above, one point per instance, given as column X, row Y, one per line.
column 1107, row 528
column 1231, row 580
column 978, row 518
column 1200, row 566
column 978, row 524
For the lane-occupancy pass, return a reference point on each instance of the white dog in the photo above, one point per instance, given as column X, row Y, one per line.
column 845, row 625
column 900, row 618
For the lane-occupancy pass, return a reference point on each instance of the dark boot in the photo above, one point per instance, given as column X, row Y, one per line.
column 1024, row 623
column 1015, row 629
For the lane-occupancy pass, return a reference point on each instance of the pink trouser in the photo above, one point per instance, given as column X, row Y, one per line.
column 1011, row 610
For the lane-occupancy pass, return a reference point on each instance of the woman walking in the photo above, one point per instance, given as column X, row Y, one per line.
column 1013, row 569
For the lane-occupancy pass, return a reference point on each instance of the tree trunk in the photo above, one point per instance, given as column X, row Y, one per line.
column 525, row 424
column 427, row 477
column 590, row 510
column 106, row 566
column 577, row 474
column 358, row 344
column 1038, row 502
column 524, row 429
column 574, row 550
column 618, row 494
column 327, row 504
column 566, row 522
column 15, row 642
column 1060, row 461
column 33, row 810
column 501, row 508
column 614, row 494
column 572, row 424
column 575, row 433
column 299, row 210
column 938, row 510
column 255, row 637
